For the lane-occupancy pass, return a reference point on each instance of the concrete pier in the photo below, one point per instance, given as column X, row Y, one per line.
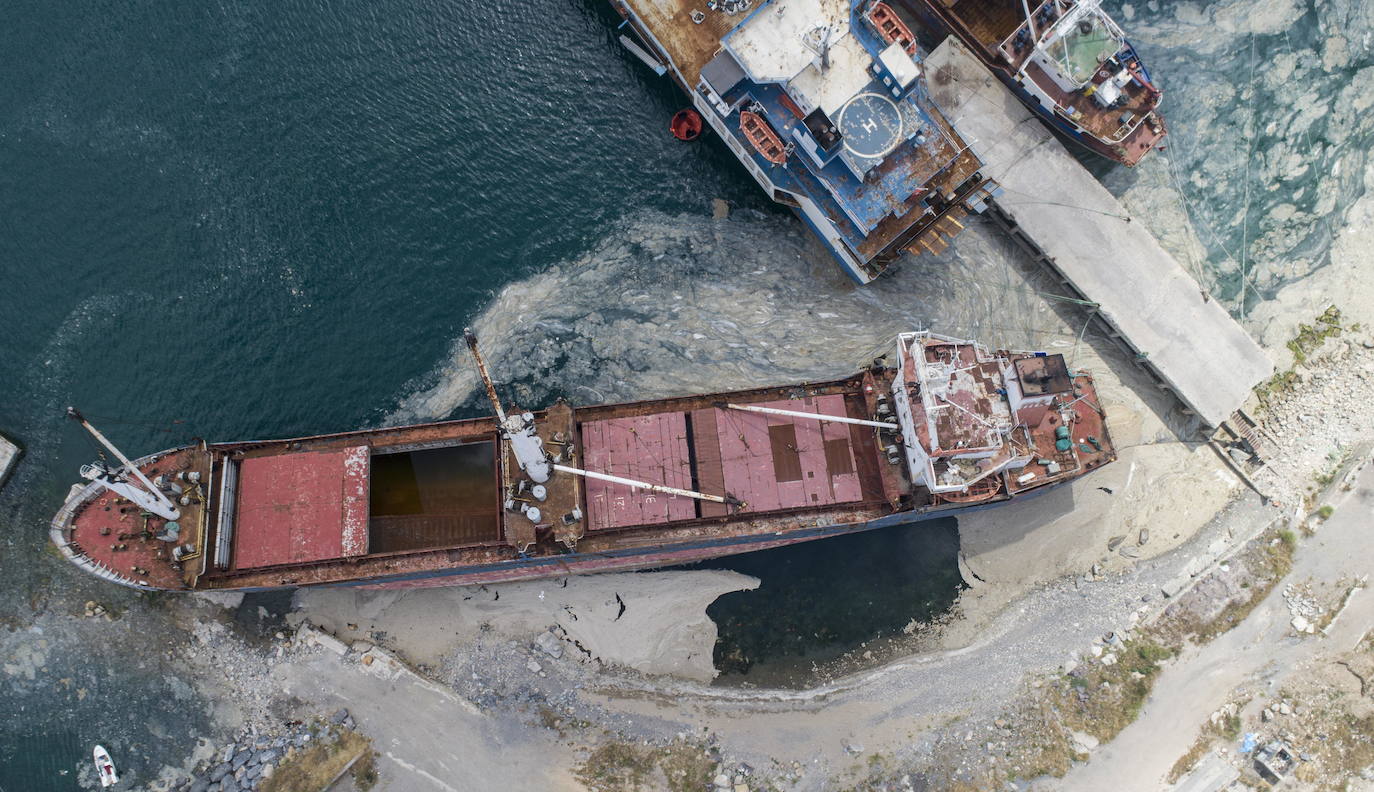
column 1051, row 203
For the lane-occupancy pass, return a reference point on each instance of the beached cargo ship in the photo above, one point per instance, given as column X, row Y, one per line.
column 937, row 426
column 825, row 104
column 1067, row 60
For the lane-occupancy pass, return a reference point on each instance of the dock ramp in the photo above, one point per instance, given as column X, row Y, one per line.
column 1052, row 204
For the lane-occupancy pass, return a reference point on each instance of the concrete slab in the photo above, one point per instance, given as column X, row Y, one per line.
column 1212, row 774
column 9, row 457
column 1191, row 343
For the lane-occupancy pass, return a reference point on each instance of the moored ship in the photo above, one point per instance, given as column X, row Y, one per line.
column 937, row 426
column 1067, row 60
column 825, row 104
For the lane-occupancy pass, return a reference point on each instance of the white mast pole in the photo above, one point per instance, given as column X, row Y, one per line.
column 646, row 485
column 169, row 508
column 811, row 416
column 1030, row 23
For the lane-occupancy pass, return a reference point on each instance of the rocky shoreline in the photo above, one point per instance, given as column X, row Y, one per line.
column 250, row 759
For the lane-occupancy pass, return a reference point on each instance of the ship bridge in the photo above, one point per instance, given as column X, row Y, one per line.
column 846, row 104
column 975, row 421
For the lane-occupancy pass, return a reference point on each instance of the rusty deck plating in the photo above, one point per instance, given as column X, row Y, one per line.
column 438, row 504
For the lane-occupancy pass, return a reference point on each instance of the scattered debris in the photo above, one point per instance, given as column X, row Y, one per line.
column 549, row 644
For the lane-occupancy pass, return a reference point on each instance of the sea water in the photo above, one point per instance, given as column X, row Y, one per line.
column 253, row 219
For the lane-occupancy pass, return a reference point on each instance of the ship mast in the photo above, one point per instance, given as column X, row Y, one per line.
column 528, row 448
column 518, row 429
column 1030, row 23
column 150, row 499
column 809, row 416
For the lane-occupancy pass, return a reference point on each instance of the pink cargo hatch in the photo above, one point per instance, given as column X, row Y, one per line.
column 295, row 508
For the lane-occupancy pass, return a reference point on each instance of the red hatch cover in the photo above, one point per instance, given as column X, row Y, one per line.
column 775, row 462
column 296, row 508
column 649, row 448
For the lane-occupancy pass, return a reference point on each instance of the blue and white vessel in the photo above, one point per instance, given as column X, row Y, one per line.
column 825, row 104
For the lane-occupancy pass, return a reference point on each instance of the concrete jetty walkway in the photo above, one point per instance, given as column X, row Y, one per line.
column 1191, row 343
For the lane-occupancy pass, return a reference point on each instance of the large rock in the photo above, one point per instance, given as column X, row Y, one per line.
column 1083, row 742
column 550, row 644
column 219, row 772
column 312, row 635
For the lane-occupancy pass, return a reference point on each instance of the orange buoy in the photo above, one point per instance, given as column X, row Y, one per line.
column 686, row 124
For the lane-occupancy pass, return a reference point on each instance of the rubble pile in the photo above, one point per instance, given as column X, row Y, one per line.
column 1303, row 608
column 242, row 764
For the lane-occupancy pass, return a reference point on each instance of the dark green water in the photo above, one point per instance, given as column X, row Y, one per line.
column 268, row 218
column 822, row 599
column 273, row 218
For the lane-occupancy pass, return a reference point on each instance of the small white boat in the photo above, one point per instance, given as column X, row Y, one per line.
column 104, row 767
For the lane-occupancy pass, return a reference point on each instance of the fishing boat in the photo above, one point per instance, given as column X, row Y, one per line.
column 104, row 767
column 1067, row 60
column 935, row 427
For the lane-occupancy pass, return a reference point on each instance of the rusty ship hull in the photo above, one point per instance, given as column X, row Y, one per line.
column 1112, row 111
column 448, row 503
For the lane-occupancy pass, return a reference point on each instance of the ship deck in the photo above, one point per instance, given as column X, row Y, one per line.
column 891, row 191
column 767, row 462
column 1001, row 34
column 1105, row 123
column 687, row 45
column 875, row 214
column 990, row 21
column 300, row 503
column 115, row 537
column 1091, row 444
